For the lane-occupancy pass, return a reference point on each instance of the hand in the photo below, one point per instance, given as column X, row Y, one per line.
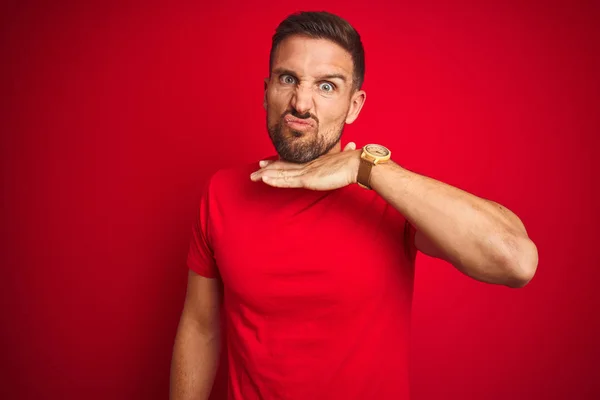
column 328, row 172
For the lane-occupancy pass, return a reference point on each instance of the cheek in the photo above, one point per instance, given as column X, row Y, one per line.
column 332, row 112
column 277, row 101
column 279, row 96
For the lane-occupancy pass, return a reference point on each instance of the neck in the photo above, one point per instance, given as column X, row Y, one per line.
column 336, row 149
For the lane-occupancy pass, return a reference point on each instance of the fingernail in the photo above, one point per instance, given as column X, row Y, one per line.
column 263, row 163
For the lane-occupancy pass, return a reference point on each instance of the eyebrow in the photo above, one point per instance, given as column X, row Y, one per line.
column 283, row 71
column 333, row 76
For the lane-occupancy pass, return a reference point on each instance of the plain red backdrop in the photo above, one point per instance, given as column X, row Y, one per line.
column 114, row 115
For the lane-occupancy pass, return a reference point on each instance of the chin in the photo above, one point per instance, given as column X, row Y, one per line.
column 297, row 155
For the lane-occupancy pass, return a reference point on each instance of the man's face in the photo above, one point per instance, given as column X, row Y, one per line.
column 309, row 97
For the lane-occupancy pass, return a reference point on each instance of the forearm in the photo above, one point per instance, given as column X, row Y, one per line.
column 195, row 362
column 479, row 237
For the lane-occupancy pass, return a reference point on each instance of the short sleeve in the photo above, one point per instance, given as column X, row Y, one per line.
column 200, row 257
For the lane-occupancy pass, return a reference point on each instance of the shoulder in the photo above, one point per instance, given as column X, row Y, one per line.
column 233, row 181
column 233, row 175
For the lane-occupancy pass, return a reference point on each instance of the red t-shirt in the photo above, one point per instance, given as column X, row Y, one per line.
column 317, row 288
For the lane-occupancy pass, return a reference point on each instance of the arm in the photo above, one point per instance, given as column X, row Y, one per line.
column 197, row 343
column 481, row 238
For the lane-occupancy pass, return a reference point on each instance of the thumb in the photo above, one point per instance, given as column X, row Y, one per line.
column 350, row 146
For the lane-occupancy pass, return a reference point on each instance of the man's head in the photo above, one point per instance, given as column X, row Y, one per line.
column 317, row 68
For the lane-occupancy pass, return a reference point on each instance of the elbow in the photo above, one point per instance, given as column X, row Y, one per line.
column 521, row 264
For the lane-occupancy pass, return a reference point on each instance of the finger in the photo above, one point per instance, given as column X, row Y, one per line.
column 350, row 146
column 280, row 165
column 274, row 173
column 284, row 182
column 264, row 163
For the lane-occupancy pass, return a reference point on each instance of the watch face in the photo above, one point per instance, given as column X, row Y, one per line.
column 377, row 150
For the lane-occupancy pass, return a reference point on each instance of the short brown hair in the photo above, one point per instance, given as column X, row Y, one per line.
column 324, row 25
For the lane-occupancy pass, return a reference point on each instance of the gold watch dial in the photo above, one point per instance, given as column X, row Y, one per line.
column 377, row 150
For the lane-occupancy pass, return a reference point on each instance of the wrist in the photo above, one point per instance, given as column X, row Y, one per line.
column 372, row 156
column 355, row 165
column 390, row 174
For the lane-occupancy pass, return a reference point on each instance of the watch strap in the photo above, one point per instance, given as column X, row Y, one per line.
column 364, row 173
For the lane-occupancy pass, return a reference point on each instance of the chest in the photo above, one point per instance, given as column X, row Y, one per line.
column 310, row 251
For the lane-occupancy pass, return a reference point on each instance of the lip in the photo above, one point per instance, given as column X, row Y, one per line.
column 298, row 124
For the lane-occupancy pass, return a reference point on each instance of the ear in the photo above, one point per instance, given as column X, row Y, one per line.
column 265, row 95
column 356, row 104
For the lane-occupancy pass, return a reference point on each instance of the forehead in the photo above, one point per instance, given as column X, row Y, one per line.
column 308, row 56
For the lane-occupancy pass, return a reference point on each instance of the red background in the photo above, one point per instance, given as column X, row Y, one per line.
column 114, row 115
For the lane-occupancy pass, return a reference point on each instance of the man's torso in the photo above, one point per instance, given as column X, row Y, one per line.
column 317, row 290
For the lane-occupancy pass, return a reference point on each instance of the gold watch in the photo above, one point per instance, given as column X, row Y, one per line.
column 372, row 155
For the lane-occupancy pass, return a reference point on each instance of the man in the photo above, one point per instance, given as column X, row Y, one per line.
column 311, row 253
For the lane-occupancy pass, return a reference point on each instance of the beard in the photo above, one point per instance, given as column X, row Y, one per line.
column 302, row 147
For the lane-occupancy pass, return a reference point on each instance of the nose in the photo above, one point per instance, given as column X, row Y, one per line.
column 302, row 99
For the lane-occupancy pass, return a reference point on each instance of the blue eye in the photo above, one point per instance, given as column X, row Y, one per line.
column 287, row 79
column 326, row 87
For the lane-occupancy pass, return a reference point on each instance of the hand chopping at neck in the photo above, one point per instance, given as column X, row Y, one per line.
column 328, row 172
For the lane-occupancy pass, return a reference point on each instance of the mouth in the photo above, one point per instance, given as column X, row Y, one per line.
column 297, row 124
